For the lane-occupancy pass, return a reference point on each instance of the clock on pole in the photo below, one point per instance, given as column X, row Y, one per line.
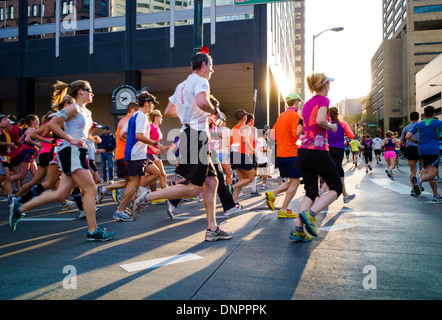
column 121, row 97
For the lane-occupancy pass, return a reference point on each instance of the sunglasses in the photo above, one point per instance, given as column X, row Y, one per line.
column 87, row 89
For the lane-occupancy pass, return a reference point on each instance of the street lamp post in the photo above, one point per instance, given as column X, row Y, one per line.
column 197, row 25
column 337, row 29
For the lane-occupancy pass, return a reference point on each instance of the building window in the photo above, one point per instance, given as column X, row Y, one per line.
column 427, row 9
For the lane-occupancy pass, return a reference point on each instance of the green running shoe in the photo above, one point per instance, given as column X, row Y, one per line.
column 15, row 215
column 309, row 222
column 299, row 236
column 101, row 234
column 270, row 200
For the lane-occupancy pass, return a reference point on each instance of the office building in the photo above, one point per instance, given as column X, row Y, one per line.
column 411, row 39
column 149, row 43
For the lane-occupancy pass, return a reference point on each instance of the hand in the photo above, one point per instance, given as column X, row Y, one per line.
column 334, row 127
column 78, row 143
column 161, row 147
column 156, row 151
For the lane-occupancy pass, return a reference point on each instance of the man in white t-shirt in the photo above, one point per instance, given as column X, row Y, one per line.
column 377, row 148
column 191, row 104
column 135, row 154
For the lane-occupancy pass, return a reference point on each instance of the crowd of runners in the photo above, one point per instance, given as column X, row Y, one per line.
column 309, row 144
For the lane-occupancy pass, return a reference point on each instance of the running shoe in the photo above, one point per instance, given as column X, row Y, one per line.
column 286, row 214
column 15, row 215
column 68, row 205
column 270, row 200
column 392, row 177
column 419, row 183
column 116, row 195
column 101, row 234
column 170, row 208
column 159, row 201
column 122, row 216
column 388, row 173
column 101, row 191
column 437, row 198
column 349, row 197
column 141, row 201
column 231, row 188
column 218, row 234
column 254, row 194
column 413, row 194
column 416, row 188
column 3, row 199
column 309, row 222
column 299, row 236
column 369, row 167
column 234, row 209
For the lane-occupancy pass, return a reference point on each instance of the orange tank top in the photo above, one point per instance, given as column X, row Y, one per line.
column 119, row 150
column 237, row 140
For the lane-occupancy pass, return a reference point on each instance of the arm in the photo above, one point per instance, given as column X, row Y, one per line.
column 321, row 120
column 203, row 102
column 347, row 130
column 56, row 123
column 170, row 111
column 123, row 134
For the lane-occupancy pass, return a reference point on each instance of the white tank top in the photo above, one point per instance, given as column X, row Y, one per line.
column 78, row 127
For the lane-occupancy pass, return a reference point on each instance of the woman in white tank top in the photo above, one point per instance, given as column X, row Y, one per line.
column 77, row 120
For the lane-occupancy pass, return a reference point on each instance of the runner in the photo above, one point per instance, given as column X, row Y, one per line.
column 191, row 104
column 377, row 143
column 429, row 131
column 241, row 153
column 122, row 170
column 254, row 141
column 72, row 155
column 367, row 145
column 355, row 146
column 135, row 154
column 411, row 152
column 262, row 162
column 286, row 131
column 336, row 149
column 314, row 159
column 390, row 143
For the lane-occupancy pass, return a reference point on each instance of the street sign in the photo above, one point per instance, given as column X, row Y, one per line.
column 252, row 2
column 372, row 125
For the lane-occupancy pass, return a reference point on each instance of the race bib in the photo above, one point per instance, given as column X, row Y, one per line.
column 234, row 147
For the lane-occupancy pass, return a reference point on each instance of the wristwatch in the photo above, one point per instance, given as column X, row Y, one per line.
column 155, row 143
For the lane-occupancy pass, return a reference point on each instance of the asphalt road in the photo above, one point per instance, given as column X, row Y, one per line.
column 384, row 244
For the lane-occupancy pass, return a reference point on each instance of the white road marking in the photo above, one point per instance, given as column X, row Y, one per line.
column 46, row 219
column 156, row 263
column 395, row 186
column 338, row 227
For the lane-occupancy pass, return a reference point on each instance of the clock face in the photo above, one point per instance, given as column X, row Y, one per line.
column 123, row 96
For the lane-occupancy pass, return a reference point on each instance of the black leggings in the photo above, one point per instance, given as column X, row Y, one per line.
column 314, row 164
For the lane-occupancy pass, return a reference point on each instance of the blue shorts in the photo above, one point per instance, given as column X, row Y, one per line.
column 286, row 166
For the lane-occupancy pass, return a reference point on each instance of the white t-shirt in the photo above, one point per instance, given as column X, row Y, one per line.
column 184, row 99
column 377, row 143
column 262, row 156
column 138, row 123
column 222, row 145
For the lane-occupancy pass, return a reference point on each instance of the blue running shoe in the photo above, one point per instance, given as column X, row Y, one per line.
column 15, row 215
column 309, row 222
column 101, row 234
column 122, row 216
